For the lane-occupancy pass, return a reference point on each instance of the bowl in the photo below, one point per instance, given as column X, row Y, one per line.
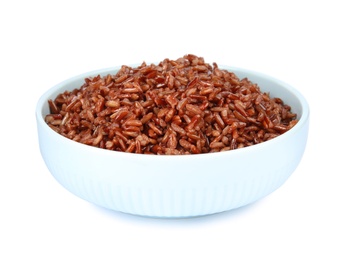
column 173, row 186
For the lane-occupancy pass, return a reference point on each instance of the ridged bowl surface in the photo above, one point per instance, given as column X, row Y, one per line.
column 175, row 186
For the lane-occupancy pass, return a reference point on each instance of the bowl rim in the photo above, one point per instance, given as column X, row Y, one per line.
column 302, row 120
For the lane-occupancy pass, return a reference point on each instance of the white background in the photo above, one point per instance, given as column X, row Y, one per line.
column 45, row 42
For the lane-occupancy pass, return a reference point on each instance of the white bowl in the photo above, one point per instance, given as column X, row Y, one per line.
column 175, row 185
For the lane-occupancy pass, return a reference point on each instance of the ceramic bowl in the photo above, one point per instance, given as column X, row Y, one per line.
column 175, row 185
